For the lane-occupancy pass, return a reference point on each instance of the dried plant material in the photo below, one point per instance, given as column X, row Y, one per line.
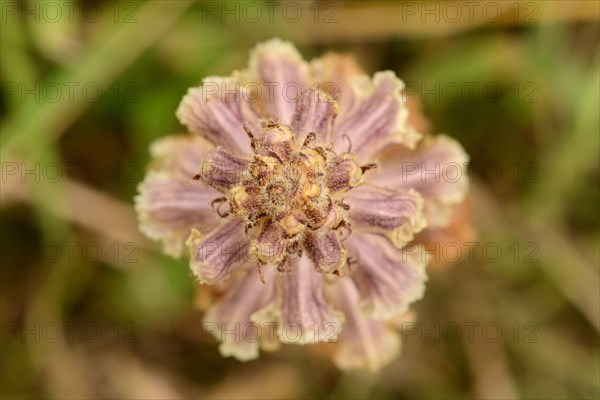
column 296, row 194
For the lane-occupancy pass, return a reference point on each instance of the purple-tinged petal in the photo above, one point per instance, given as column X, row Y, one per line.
column 377, row 119
column 364, row 343
column 315, row 112
column 303, row 303
column 437, row 169
column 344, row 173
column 283, row 74
column 269, row 247
column 222, row 170
column 397, row 214
column 388, row 279
column 276, row 139
column 325, row 251
column 170, row 203
column 333, row 73
column 168, row 209
column 242, row 200
column 218, row 111
column 303, row 313
column 215, row 256
column 179, row 155
column 229, row 319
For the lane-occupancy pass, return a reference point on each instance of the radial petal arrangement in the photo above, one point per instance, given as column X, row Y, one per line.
column 296, row 193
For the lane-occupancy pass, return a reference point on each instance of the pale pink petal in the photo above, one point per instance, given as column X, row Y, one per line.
column 303, row 313
column 344, row 173
column 179, row 154
column 340, row 76
column 397, row 214
column 269, row 247
column 170, row 203
column 315, row 112
column 333, row 72
column 222, row 170
column 215, row 256
column 437, row 169
column 377, row 119
column 363, row 343
column 218, row 110
column 325, row 251
column 388, row 279
column 229, row 319
column 280, row 69
column 275, row 139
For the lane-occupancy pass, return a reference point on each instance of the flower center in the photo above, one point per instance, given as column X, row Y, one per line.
column 292, row 190
column 294, row 185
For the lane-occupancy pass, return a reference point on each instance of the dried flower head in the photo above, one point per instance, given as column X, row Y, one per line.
column 297, row 194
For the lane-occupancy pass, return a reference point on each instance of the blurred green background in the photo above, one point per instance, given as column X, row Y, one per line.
column 90, row 309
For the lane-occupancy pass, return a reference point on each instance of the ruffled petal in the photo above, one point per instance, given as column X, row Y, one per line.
column 179, row 154
column 229, row 319
column 344, row 173
column 215, row 256
column 300, row 308
column 325, row 251
column 437, row 169
column 222, row 170
column 283, row 74
column 218, row 111
column 397, row 214
column 275, row 139
column 388, row 279
column 364, row 343
column 269, row 247
column 170, row 203
column 315, row 112
column 377, row 119
column 334, row 73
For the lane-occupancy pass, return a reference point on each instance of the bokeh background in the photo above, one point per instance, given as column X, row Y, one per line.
column 90, row 309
